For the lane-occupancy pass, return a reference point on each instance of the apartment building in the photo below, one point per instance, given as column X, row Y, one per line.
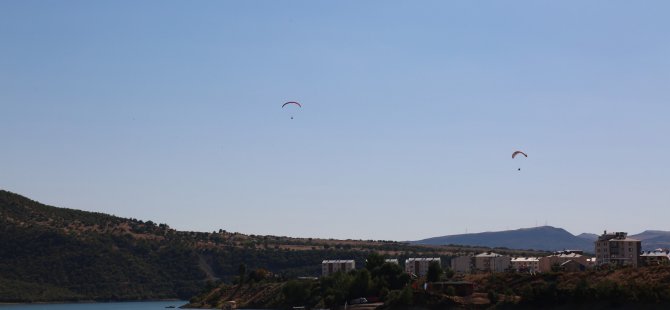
column 617, row 249
column 526, row 264
column 329, row 267
column 655, row 257
column 491, row 262
column 463, row 264
column 419, row 266
column 557, row 259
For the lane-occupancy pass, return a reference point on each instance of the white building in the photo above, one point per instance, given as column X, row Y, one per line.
column 554, row 261
column 419, row 266
column 526, row 264
column 491, row 262
column 590, row 262
column 463, row 264
column 329, row 267
column 655, row 257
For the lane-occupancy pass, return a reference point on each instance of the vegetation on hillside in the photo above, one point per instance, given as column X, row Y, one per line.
column 58, row 254
column 645, row 287
column 641, row 288
column 378, row 278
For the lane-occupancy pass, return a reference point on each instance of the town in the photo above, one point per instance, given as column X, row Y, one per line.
column 611, row 250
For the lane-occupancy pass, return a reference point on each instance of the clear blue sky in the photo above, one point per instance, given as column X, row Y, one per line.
column 171, row 111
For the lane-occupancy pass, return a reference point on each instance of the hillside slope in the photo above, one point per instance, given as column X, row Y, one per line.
column 54, row 253
column 58, row 254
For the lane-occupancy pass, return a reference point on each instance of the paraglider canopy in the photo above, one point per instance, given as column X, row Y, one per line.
column 517, row 153
column 291, row 102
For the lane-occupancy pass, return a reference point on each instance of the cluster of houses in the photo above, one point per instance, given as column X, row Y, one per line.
column 611, row 249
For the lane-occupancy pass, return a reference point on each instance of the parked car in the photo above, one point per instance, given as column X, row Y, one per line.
column 357, row 301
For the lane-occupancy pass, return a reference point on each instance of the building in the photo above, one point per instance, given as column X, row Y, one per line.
column 655, row 257
column 419, row 266
column 572, row 266
column 526, row 264
column 463, row 264
column 491, row 262
column 554, row 261
column 329, row 267
column 590, row 262
column 392, row 261
column 618, row 250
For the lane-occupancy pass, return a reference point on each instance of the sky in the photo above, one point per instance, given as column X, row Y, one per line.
column 170, row 111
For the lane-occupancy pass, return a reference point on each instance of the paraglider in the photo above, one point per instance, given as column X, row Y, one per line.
column 517, row 153
column 291, row 103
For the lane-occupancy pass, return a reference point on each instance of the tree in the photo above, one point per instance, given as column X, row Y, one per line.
column 242, row 271
column 390, row 275
column 335, row 288
column 373, row 262
column 449, row 273
column 296, row 293
column 434, row 272
column 361, row 284
column 493, row 297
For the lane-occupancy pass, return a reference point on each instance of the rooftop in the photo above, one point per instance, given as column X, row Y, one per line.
column 488, row 254
column 419, row 259
column 568, row 255
column 525, row 259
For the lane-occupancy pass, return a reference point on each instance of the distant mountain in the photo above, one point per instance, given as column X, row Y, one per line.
column 588, row 236
column 546, row 238
column 653, row 239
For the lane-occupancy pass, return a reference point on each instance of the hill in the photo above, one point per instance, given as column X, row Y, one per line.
column 653, row 239
column 51, row 253
column 58, row 254
column 588, row 236
column 544, row 238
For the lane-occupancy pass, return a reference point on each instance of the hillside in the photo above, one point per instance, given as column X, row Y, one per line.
column 625, row 288
column 545, row 238
column 53, row 253
column 58, row 254
column 653, row 239
column 588, row 236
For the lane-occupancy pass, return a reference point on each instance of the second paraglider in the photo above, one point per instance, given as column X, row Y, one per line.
column 291, row 103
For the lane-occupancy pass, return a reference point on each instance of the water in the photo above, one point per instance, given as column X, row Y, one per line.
column 148, row 305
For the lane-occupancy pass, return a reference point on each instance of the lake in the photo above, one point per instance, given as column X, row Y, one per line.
column 147, row 305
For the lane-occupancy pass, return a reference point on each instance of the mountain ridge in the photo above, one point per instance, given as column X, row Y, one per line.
column 543, row 238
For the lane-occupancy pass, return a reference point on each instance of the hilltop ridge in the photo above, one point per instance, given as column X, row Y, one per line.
column 546, row 238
